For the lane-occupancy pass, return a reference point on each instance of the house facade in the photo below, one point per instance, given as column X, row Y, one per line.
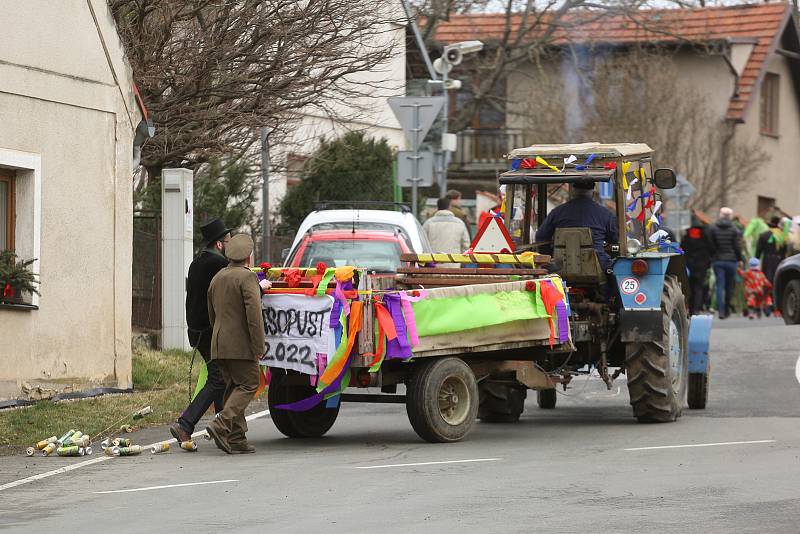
column 742, row 61
column 68, row 116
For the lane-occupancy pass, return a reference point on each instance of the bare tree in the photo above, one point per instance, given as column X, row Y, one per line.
column 212, row 71
column 637, row 95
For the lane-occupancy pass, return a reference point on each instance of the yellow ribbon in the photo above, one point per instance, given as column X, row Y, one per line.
column 345, row 273
column 541, row 161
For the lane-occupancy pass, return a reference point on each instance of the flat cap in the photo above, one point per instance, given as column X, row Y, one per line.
column 239, row 247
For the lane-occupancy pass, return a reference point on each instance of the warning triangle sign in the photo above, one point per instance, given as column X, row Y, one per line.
column 492, row 237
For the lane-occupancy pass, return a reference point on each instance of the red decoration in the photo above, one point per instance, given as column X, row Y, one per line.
column 322, row 267
column 694, row 233
column 266, row 266
column 292, row 277
column 528, row 163
column 530, row 285
column 610, row 166
column 8, row 291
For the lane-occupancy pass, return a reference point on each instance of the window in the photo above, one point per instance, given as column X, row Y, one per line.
column 7, row 203
column 769, row 104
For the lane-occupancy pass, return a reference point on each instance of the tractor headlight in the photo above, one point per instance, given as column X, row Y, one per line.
column 634, row 246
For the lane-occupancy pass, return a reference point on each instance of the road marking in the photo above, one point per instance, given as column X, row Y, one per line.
column 99, row 459
column 430, row 463
column 701, row 445
column 150, row 488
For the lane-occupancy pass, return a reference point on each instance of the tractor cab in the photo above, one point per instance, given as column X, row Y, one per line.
column 622, row 180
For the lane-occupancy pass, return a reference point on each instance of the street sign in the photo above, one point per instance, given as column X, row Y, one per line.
column 416, row 115
column 406, row 171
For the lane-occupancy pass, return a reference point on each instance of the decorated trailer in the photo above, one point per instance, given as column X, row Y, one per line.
column 333, row 328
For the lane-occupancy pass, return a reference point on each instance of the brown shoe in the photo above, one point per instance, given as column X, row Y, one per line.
column 178, row 433
column 222, row 443
column 242, row 448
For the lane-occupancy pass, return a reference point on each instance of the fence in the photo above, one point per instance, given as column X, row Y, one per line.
column 146, row 271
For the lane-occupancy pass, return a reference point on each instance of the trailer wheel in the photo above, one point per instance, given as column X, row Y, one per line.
column 658, row 372
column 698, row 391
column 442, row 400
column 546, row 398
column 313, row 423
column 500, row 403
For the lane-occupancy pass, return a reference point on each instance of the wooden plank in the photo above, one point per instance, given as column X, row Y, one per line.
column 470, row 271
column 441, row 281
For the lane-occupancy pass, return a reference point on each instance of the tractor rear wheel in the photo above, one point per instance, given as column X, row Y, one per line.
column 658, row 371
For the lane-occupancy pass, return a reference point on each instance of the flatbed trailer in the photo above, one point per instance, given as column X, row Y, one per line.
column 452, row 378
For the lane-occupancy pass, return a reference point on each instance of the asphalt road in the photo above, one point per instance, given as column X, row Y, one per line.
column 565, row 470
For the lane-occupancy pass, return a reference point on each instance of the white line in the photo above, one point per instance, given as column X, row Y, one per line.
column 168, row 486
column 99, row 459
column 701, row 445
column 431, row 463
column 54, row 472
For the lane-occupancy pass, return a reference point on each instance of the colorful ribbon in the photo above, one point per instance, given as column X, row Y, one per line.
column 586, row 163
column 541, row 161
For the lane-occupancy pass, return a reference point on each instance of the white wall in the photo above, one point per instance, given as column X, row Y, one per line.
column 61, row 106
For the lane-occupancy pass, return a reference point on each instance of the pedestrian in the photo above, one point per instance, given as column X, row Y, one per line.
column 697, row 249
column 445, row 231
column 237, row 343
column 771, row 248
column 726, row 241
column 758, row 290
column 455, row 206
column 203, row 268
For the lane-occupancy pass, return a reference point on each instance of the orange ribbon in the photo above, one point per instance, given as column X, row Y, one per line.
column 386, row 330
column 335, row 369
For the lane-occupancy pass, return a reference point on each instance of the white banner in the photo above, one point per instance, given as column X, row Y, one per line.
column 297, row 328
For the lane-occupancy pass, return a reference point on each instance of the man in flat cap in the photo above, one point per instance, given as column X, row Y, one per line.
column 205, row 265
column 237, row 342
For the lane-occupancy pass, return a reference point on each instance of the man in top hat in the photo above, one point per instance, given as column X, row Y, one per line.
column 208, row 263
column 237, row 342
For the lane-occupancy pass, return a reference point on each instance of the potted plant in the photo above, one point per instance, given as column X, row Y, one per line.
column 16, row 278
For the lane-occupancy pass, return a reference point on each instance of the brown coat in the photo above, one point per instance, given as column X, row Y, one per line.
column 461, row 214
column 234, row 311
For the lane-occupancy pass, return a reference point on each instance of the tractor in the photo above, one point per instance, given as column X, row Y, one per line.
column 629, row 317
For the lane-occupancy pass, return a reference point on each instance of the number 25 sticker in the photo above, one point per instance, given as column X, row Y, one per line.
column 629, row 286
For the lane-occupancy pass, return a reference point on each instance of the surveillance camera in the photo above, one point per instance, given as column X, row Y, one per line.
column 467, row 47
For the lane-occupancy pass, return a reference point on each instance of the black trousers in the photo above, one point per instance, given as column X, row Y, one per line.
column 214, row 390
column 697, row 284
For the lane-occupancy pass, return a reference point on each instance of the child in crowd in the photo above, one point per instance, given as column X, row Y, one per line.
column 757, row 289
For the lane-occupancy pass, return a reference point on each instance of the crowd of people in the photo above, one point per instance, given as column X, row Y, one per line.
column 737, row 261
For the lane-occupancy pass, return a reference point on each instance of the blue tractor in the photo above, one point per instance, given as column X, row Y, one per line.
column 628, row 299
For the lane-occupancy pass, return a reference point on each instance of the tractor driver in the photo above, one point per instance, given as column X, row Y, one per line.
column 582, row 211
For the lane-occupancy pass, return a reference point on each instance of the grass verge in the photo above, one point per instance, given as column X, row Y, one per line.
column 160, row 380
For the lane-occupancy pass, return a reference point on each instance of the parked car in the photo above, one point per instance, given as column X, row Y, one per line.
column 787, row 289
column 373, row 239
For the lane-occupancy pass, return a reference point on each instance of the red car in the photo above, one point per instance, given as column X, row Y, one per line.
column 376, row 250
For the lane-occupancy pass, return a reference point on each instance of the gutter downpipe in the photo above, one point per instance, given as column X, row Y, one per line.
column 729, row 126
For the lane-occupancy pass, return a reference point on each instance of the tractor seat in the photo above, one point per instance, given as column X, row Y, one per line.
column 574, row 250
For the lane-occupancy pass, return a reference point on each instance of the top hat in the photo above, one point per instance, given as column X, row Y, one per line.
column 239, row 248
column 213, row 230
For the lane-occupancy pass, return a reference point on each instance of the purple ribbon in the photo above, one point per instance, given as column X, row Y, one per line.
column 306, row 404
column 398, row 347
column 340, row 301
